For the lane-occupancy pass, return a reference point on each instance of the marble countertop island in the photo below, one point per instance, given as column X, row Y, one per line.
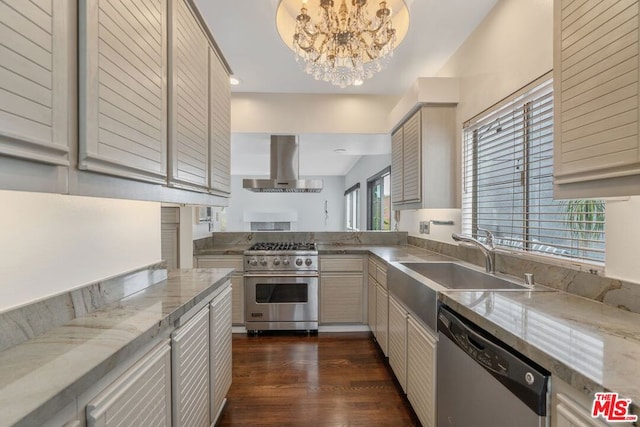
column 43, row 375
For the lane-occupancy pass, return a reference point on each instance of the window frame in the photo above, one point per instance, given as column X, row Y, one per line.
column 386, row 171
column 352, row 221
column 518, row 105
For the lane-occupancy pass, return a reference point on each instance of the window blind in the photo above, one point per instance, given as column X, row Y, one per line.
column 508, row 183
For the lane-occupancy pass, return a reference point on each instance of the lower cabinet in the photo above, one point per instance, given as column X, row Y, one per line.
column 371, row 304
column 220, row 351
column 139, row 397
column 421, row 371
column 398, row 341
column 190, row 372
column 341, row 289
column 382, row 318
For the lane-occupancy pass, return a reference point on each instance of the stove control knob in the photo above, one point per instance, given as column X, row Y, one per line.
column 276, row 261
column 308, row 262
column 253, row 262
column 285, row 261
column 299, row 262
column 263, row 262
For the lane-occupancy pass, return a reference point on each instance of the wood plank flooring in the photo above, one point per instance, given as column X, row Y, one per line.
column 331, row 379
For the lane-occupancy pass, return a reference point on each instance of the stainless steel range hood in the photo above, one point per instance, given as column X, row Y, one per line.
column 284, row 170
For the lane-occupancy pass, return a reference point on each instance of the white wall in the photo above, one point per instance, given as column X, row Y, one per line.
column 510, row 48
column 308, row 206
column 310, row 113
column 364, row 169
column 52, row 243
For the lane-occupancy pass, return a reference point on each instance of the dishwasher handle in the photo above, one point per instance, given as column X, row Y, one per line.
column 523, row 377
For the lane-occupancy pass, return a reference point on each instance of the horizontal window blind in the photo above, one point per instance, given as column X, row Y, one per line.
column 508, row 183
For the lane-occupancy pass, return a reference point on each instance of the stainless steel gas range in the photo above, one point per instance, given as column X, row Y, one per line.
column 281, row 286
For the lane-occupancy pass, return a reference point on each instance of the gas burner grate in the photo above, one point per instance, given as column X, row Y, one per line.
column 283, row 246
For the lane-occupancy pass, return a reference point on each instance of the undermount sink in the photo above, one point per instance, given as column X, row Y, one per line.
column 456, row 276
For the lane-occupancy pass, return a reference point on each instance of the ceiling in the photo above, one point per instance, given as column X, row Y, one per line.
column 246, row 32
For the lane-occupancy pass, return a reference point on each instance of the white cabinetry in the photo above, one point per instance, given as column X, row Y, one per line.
column 219, row 126
column 378, row 302
column 188, row 100
column 130, row 100
column 596, row 97
column 140, row 397
column 220, row 351
column 237, row 280
column 398, row 341
column 190, row 372
column 421, row 371
column 36, row 93
column 382, row 318
column 423, row 159
column 123, row 90
column 341, row 289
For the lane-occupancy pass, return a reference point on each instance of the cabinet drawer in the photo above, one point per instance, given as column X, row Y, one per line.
column 341, row 263
column 222, row 261
column 373, row 268
column 381, row 276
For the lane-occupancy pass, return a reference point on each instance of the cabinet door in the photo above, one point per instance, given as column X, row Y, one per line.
column 398, row 341
column 411, row 159
column 220, row 314
column 382, row 318
column 421, row 372
column 189, row 100
column 596, row 144
column 371, row 304
column 190, row 372
column 140, row 397
column 396, row 166
column 123, row 91
column 219, row 126
column 35, row 80
column 237, row 300
column 341, row 297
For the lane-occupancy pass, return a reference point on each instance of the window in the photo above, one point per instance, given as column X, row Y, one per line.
column 508, row 183
column 379, row 201
column 351, row 203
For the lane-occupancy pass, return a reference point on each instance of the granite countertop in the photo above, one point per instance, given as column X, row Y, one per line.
column 43, row 375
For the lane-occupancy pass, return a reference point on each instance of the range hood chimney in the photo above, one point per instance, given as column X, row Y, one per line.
column 284, row 170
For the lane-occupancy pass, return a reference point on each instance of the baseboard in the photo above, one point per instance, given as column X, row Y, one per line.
column 322, row 328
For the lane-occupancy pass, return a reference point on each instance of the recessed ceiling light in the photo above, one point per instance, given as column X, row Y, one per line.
column 340, row 150
column 358, row 82
column 234, row 81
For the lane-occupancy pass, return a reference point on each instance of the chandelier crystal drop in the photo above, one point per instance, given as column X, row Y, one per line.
column 344, row 46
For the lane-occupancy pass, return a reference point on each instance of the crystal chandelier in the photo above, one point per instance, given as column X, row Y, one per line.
column 343, row 46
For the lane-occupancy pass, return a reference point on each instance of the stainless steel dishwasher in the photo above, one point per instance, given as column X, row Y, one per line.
column 482, row 382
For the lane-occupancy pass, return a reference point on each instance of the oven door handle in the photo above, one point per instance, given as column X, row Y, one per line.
column 276, row 275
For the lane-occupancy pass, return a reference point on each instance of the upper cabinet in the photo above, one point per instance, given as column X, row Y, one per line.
column 123, row 90
column 423, row 159
column 189, row 100
column 130, row 100
column 220, row 126
column 35, row 92
column 596, row 96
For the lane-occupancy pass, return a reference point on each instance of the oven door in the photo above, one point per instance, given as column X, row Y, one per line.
column 281, row 301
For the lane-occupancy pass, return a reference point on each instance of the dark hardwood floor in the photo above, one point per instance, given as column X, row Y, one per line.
column 330, row 379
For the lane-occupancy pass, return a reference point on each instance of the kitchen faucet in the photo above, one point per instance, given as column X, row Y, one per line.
column 488, row 249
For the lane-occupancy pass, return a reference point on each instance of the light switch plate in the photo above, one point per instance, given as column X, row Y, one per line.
column 425, row 227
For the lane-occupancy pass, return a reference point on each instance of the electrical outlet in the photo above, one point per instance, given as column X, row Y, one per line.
column 425, row 227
